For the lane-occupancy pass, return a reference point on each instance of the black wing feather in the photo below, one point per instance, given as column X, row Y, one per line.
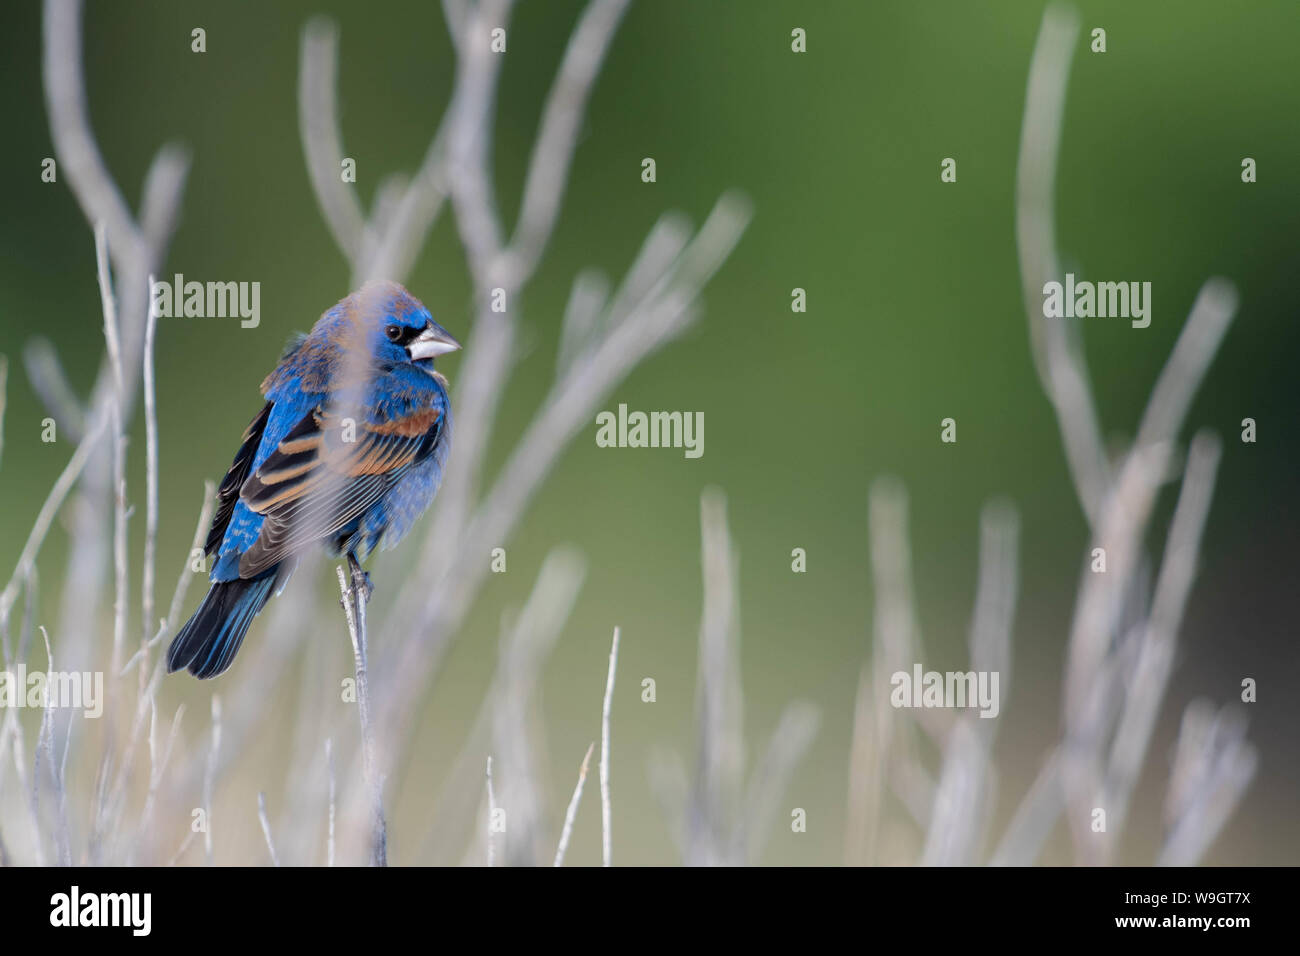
column 228, row 493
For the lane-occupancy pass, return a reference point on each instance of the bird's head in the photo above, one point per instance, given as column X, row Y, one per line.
column 397, row 327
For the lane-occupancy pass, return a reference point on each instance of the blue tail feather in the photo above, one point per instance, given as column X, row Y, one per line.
column 208, row 642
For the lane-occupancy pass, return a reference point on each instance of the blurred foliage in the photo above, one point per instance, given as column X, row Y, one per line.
column 913, row 315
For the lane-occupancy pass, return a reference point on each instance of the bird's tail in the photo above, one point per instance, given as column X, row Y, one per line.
column 208, row 642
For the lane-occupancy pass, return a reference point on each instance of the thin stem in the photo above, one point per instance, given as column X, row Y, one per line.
column 492, row 815
column 354, row 598
column 41, row 527
column 329, row 760
column 266, row 828
column 151, row 492
column 572, row 812
column 606, row 854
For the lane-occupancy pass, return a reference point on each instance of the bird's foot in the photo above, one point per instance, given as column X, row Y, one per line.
column 360, row 578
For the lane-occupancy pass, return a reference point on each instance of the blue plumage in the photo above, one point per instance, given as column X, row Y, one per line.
column 347, row 452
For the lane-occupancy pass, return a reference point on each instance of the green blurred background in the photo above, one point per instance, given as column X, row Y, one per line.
column 914, row 314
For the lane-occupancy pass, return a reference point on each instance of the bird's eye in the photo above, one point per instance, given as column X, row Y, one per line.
column 394, row 332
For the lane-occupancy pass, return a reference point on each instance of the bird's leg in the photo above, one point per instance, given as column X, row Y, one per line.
column 360, row 577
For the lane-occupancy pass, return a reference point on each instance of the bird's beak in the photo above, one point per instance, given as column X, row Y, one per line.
column 434, row 340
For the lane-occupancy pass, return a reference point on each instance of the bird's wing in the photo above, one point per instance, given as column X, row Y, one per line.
column 327, row 472
column 228, row 492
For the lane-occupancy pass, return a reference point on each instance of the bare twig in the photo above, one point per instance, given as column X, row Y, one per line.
column 507, row 716
column 200, row 532
column 1211, row 314
column 1107, row 636
column 79, row 158
column 157, row 766
column 607, row 839
column 1213, row 765
column 108, row 304
column 151, row 492
column 719, row 708
column 864, row 787
column 629, row 339
column 266, row 827
column 69, row 476
column 572, row 812
column 1058, row 359
column 470, row 140
column 45, row 750
column 180, row 852
column 210, row 776
column 561, row 121
column 1155, row 659
column 321, row 140
column 354, row 608
column 894, row 648
column 962, row 799
column 182, row 579
column 790, row 741
column 329, row 759
column 959, row 800
column 120, row 515
column 995, row 595
column 492, row 816
column 51, row 385
column 516, row 727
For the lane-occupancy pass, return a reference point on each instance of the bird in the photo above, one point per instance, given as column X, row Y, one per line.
column 347, row 452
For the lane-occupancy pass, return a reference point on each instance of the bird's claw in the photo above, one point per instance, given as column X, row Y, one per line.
column 360, row 579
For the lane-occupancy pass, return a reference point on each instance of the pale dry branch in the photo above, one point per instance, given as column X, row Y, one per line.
column 864, row 786
column 606, row 828
column 151, row 491
column 65, row 99
column 1113, row 629
column 511, row 700
column 210, row 776
column 329, row 760
column 794, row 734
column 557, row 139
column 1155, row 659
column 50, row 382
column 354, row 598
column 1057, row 357
column 157, row 767
column 719, row 706
column 895, row 645
column 629, row 339
column 121, row 569
column 505, row 721
column 962, row 799
column 492, row 816
column 266, row 828
column 571, row 813
column 41, row 527
column 1213, row 766
column 322, row 141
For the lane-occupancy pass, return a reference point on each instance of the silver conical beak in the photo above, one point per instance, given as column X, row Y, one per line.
column 433, row 341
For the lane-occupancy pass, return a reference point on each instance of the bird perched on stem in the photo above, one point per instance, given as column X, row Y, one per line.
column 347, row 452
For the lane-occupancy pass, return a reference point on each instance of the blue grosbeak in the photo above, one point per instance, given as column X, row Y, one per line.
column 347, row 452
